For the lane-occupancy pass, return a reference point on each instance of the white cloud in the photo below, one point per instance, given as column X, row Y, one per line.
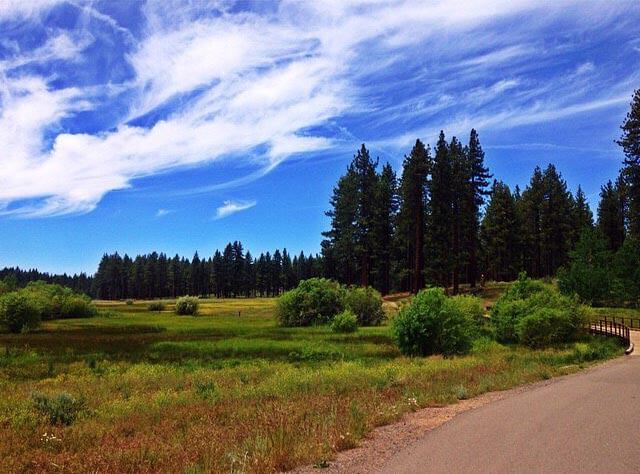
column 25, row 8
column 163, row 212
column 240, row 82
column 231, row 207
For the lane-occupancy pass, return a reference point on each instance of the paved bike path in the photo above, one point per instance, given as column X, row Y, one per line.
column 587, row 422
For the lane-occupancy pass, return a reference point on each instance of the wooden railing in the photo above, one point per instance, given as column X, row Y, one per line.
column 607, row 327
column 632, row 323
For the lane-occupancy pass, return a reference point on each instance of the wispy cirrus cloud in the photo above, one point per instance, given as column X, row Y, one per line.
column 193, row 84
column 232, row 207
column 163, row 212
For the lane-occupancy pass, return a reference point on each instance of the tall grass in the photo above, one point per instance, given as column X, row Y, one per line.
column 230, row 393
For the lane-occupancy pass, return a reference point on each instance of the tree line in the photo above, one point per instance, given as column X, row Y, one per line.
column 228, row 273
column 443, row 222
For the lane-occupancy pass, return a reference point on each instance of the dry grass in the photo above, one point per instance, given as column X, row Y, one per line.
column 226, row 393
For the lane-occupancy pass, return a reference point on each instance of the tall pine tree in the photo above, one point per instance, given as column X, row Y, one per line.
column 630, row 143
column 411, row 218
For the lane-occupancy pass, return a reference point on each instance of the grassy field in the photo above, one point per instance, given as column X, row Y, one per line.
column 229, row 390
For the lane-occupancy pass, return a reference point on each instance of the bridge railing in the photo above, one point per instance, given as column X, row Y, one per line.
column 607, row 327
column 632, row 323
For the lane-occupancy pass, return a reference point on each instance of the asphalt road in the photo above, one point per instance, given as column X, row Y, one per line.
column 587, row 423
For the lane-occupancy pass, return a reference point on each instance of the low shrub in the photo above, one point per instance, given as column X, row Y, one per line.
column 537, row 314
column 77, row 306
column 187, row 305
column 434, row 324
column 156, row 306
column 366, row 304
column 128, row 302
column 314, row 301
column 345, row 322
column 60, row 409
column 18, row 312
column 546, row 326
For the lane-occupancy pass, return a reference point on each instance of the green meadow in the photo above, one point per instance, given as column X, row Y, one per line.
column 228, row 390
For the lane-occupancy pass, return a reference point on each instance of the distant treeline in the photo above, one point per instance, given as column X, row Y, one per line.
column 443, row 222
column 230, row 273
column 12, row 278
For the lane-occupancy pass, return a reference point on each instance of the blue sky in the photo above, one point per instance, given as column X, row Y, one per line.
column 179, row 126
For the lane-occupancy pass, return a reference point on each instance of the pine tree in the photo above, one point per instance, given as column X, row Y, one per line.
column 412, row 217
column 386, row 207
column 630, row 143
column 440, row 262
column 530, row 209
column 556, row 221
column 582, row 215
column 611, row 216
column 460, row 190
column 499, row 235
column 341, row 237
column 366, row 186
column 477, row 191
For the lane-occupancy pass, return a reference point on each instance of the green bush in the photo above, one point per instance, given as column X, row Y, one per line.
column 156, row 306
column 345, row 322
column 187, row 305
column 314, row 301
column 537, row 314
column 626, row 273
column 128, row 302
column 435, row 324
column 589, row 273
column 18, row 312
column 77, row 306
column 366, row 304
column 60, row 409
column 546, row 326
column 55, row 301
column 505, row 316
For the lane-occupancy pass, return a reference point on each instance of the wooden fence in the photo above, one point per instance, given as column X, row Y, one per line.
column 632, row 323
column 607, row 327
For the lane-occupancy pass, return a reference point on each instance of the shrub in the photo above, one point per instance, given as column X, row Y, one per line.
column 129, row 302
column 546, row 326
column 187, row 305
column 505, row 316
column 589, row 272
column 18, row 312
column 77, row 306
column 60, row 409
column 314, row 301
column 366, row 304
column 345, row 322
column 626, row 273
column 433, row 324
column 156, row 306
column 537, row 314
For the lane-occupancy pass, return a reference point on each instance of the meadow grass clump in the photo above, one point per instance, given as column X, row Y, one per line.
column 436, row 324
column 156, row 306
column 60, row 409
column 187, row 305
column 345, row 322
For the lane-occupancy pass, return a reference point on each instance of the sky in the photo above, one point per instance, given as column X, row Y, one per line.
column 178, row 126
